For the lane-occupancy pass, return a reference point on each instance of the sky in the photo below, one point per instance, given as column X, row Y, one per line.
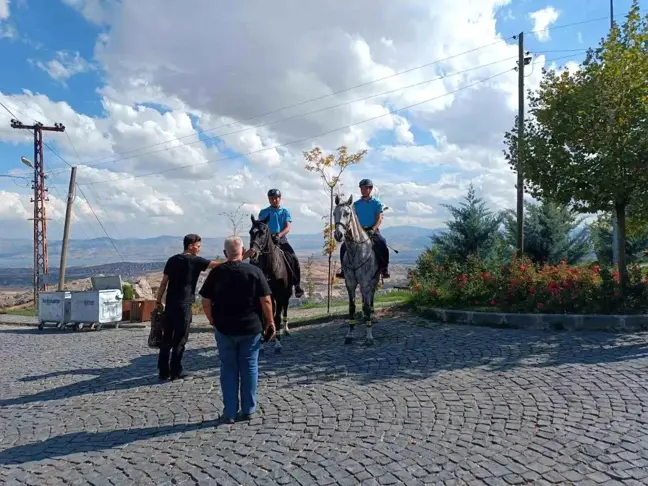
column 177, row 113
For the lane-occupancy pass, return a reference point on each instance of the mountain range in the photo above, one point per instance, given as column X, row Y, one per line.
column 141, row 255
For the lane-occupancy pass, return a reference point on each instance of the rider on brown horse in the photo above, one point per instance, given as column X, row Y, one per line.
column 279, row 225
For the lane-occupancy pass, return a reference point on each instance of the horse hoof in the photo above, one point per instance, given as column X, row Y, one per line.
column 286, row 333
column 370, row 342
column 277, row 350
column 348, row 340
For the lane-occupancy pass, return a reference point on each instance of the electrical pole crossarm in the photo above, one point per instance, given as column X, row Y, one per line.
column 57, row 127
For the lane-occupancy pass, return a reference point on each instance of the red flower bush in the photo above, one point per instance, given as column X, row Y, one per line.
column 522, row 286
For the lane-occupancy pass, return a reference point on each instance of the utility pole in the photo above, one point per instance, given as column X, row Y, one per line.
column 615, row 222
column 523, row 60
column 66, row 229
column 39, row 199
column 520, row 161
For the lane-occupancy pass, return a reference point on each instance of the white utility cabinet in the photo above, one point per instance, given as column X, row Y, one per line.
column 54, row 308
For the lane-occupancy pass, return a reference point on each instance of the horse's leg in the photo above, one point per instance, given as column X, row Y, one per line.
column 277, row 318
column 285, row 317
column 367, row 306
column 351, row 289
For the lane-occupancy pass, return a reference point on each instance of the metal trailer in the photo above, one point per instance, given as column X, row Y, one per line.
column 54, row 308
column 98, row 307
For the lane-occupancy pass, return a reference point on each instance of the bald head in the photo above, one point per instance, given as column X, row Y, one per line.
column 233, row 248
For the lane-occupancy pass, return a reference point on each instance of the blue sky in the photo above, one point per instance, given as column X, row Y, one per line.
column 38, row 32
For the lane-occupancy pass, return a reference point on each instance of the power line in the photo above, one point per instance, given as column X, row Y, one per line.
column 274, row 147
column 294, row 105
column 99, row 221
column 384, row 93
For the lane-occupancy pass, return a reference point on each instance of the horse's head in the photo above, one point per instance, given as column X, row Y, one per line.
column 260, row 237
column 342, row 217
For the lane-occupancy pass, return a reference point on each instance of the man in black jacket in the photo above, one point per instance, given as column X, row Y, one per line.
column 237, row 303
column 180, row 277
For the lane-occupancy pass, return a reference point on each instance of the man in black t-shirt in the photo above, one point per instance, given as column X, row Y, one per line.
column 180, row 277
column 237, row 303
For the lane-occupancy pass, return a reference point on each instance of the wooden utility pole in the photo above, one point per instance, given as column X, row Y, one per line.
column 66, row 229
column 616, row 247
column 39, row 199
column 520, row 156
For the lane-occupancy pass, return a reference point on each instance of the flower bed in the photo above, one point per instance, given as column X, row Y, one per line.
column 522, row 287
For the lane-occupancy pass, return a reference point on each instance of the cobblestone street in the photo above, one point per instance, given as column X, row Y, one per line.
column 426, row 405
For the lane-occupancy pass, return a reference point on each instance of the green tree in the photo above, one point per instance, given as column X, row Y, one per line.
column 636, row 241
column 584, row 142
column 551, row 233
column 473, row 231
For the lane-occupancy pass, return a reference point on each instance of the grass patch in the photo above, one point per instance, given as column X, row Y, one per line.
column 29, row 312
column 395, row 297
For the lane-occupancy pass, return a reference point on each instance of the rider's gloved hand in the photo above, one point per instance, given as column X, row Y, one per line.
column 275, row 238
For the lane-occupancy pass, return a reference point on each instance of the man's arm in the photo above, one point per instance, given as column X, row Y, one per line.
column 207, row 308
column 214, row 264
column 162, row 289
column 265, row 298
column 206, row 294
column 285, row 231
column 379, row 216
column 378, row 222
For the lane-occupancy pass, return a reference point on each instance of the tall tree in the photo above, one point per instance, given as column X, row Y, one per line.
column 330, row 168
column 585, row 142
column 636, row 241
column 551, row 233
column 473, row 231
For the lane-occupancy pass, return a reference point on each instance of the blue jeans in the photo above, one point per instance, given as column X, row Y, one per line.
column 239, row 371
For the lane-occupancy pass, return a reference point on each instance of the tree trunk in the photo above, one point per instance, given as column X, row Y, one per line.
column 620, row 210
column 330, row 256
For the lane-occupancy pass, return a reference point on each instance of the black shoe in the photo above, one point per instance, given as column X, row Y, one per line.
column 163, row 376
column 385, row 273
column 180, row 376
column 340, row 274
column 246, row 417
column 225, row 420
column 299, row 292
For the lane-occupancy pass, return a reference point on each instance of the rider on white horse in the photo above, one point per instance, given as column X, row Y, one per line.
column 369, row 211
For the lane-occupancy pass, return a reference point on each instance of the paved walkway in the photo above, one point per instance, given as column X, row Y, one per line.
column 425, row 405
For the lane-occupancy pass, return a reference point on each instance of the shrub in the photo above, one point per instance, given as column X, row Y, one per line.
column 521, row 286
column 127, row 290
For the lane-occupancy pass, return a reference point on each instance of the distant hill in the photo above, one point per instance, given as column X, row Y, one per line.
column 147, row 254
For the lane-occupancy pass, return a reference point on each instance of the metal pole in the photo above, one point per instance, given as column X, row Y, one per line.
column 520, row 158
column 66, row 229
column 615, row 222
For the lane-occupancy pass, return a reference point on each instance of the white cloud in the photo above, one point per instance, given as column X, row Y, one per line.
column 4, row 9
column 64, row 65
column 285, row 63
column 542, row 19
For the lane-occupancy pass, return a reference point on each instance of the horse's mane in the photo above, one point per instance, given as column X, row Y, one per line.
column 358, row 235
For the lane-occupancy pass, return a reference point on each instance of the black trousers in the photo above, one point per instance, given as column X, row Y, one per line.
column 380, row 247
column 175, row 333
column 288, row 250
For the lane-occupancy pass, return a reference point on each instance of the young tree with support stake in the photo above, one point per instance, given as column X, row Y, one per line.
column 585, row 140
column 330, row 168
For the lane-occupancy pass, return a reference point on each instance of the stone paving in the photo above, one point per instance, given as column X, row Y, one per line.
column 428, row 404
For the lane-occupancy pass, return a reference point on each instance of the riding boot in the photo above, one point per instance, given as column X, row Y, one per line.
column 299, row 292
column 385, row 272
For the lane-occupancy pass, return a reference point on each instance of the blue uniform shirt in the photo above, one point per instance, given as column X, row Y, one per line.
column 278, row 218
column 367, row 211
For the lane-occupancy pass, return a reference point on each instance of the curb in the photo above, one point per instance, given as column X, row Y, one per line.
column 539, row 322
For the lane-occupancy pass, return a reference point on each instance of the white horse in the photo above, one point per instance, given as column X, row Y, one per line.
column 360, row 265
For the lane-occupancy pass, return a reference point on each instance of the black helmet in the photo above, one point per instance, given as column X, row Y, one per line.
column 366, row 183
column 274, row 193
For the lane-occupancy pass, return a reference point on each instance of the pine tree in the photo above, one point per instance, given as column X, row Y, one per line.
column 473, row 231
column 551, row 233
column 635, row 247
